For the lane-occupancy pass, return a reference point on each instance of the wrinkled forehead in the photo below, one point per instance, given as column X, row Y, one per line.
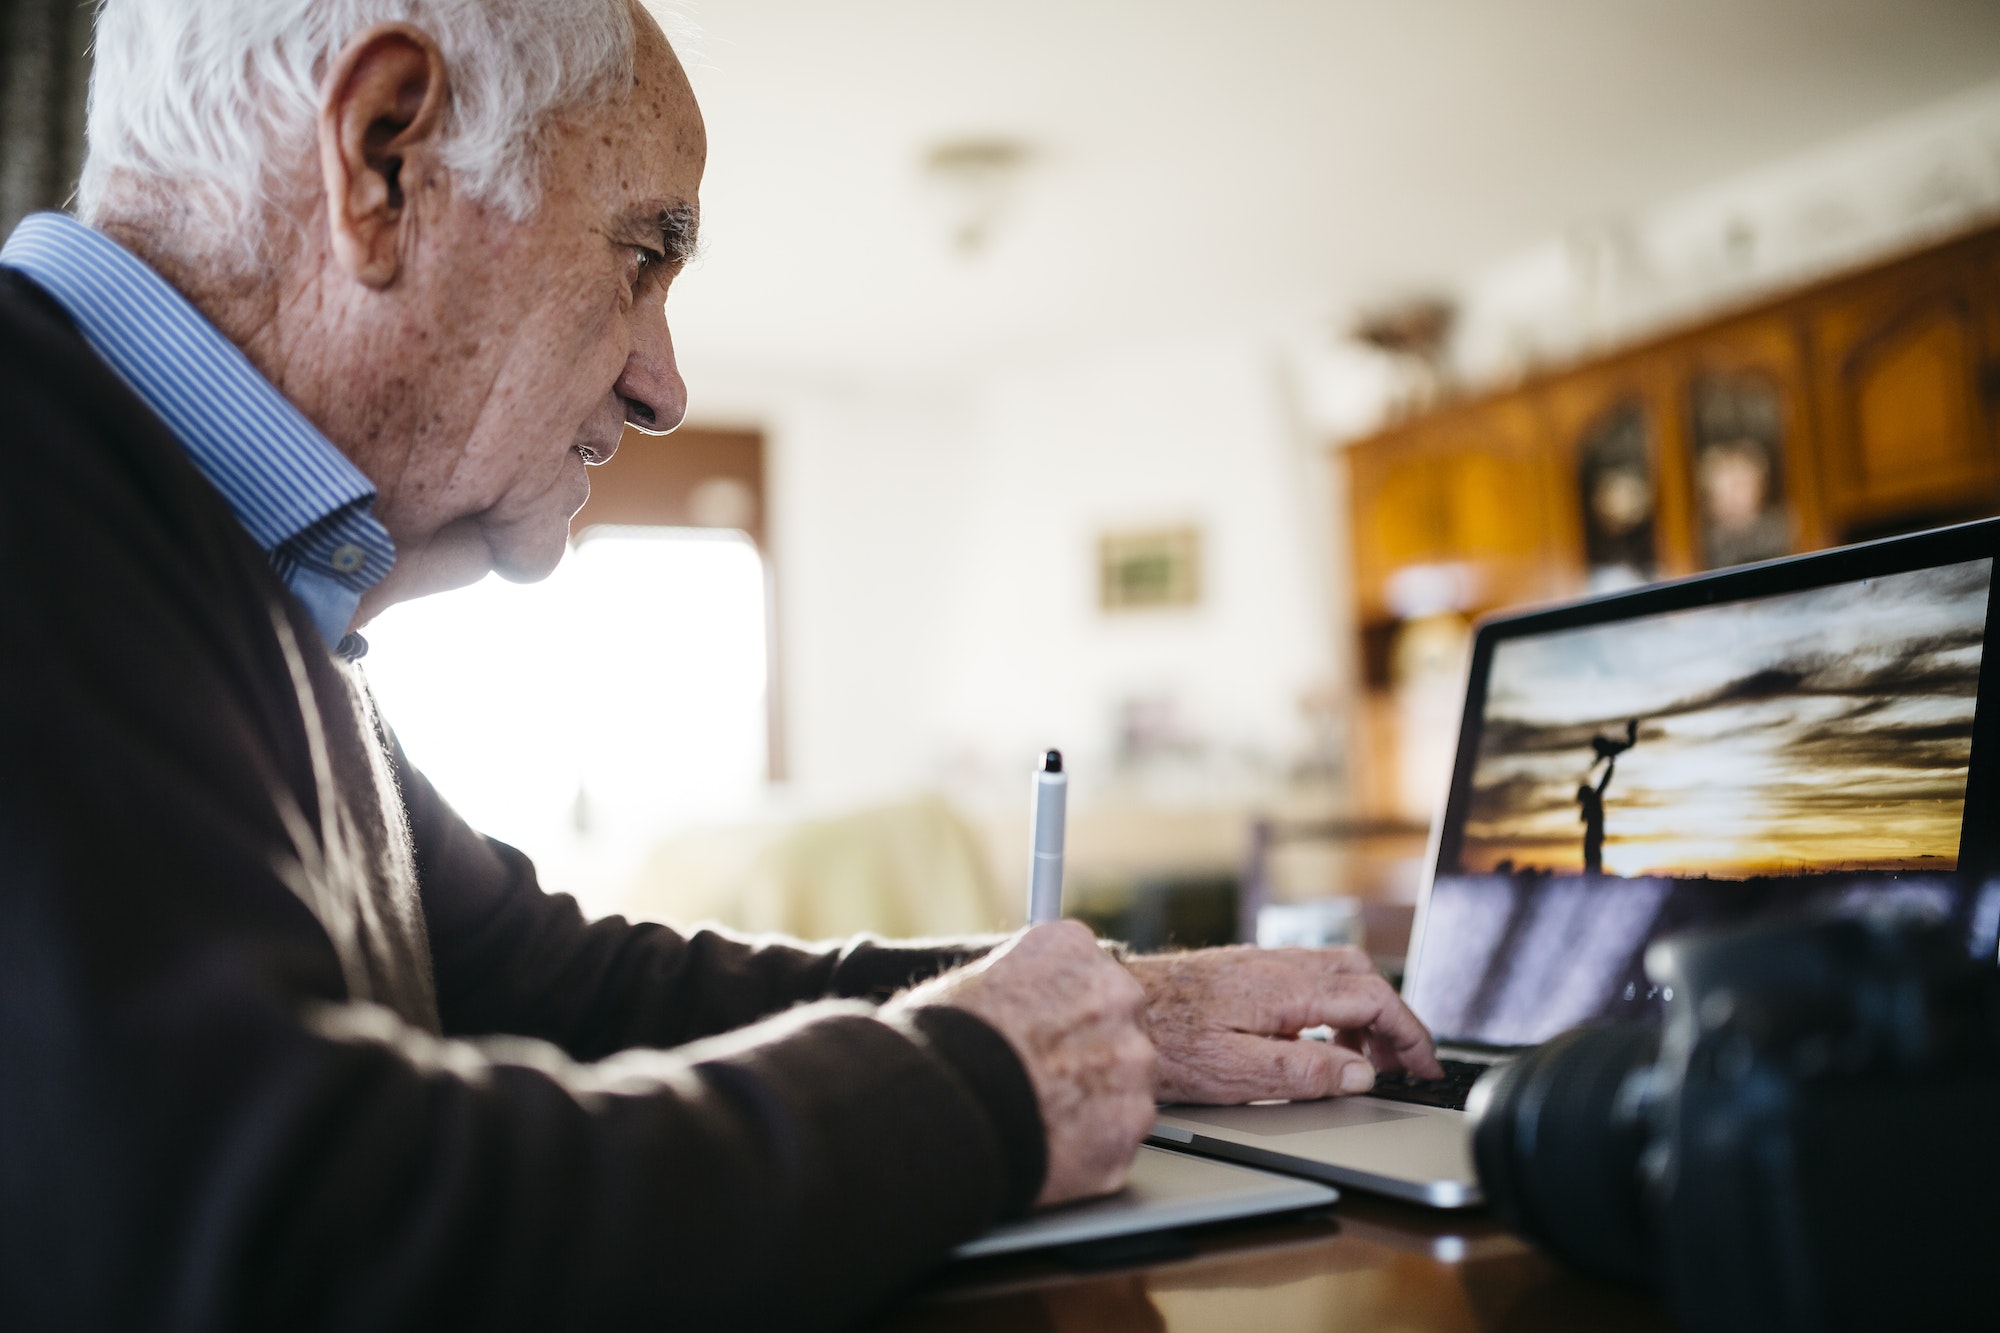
column 662, row 104
column 643, row 152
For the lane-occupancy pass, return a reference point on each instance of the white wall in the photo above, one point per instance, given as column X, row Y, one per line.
column 1134, row 439
column 936, row 553
column 869, row 501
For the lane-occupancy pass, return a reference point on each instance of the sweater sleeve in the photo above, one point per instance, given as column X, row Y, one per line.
column 511, row 958
column 201, row 1128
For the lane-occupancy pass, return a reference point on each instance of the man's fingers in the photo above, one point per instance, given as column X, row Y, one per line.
column 1225, row 1019
column 1066, row 934
column 1325, row 988
column 1077, row 1020
column 1301, row 1071
column 1314, row 987
column 1333, row 1071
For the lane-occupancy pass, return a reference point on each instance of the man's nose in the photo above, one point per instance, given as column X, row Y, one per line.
column 651, row 387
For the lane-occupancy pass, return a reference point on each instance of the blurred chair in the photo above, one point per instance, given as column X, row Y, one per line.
column 910, row 869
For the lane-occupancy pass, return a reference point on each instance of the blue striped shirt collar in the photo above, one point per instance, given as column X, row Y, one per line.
column 298, row 496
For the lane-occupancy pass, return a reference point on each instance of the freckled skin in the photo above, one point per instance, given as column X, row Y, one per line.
column 1224, row 1020
column 470, row 370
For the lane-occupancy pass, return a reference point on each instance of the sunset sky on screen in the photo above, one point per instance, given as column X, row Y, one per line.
column 1814, row 731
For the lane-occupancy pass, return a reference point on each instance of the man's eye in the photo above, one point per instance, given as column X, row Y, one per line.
column 648, row 260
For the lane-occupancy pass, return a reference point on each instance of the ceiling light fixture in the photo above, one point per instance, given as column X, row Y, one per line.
column 977, row 178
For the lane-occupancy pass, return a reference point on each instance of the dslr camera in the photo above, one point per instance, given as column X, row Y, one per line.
column 1810, row 1141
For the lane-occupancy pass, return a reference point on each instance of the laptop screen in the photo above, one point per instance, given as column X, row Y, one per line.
column 1696, row 756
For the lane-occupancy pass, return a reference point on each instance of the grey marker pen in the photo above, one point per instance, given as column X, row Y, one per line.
column 1045, row 874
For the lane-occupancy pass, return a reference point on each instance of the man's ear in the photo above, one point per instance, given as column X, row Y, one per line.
column 385, row 102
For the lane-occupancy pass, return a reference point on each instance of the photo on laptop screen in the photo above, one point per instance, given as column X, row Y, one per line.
column 1697, row 767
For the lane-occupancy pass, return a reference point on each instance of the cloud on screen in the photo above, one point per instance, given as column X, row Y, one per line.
column 1825, row 729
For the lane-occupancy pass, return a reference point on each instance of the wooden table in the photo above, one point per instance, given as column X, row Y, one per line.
column 1367, row 1264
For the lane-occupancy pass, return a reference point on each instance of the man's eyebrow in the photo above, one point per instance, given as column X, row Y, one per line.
column 680, row 231
column 673, row 228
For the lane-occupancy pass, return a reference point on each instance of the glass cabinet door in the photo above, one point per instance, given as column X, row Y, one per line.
column 1618, row 497
column 1742, row 506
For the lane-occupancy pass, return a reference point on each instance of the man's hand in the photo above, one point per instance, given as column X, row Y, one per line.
column 1078, row 1022
column 1226, row 1022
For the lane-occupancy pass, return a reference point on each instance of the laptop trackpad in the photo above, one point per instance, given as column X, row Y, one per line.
column 1284, row 1119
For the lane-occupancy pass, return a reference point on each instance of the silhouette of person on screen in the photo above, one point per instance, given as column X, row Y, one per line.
column 1608, row 751
column 1590, row 800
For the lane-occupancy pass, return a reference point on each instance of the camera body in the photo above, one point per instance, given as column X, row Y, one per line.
column 1810, row 1142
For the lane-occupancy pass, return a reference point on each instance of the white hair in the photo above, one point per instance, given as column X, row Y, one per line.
column 210, row 106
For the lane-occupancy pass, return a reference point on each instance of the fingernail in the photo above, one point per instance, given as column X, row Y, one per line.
column 1357, row 1077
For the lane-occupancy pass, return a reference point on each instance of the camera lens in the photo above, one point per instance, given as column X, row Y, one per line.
column 1557, row 1147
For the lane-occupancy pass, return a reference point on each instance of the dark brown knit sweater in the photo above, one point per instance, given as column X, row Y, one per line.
column 285, row 1044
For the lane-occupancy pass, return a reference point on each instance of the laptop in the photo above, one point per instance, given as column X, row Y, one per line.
column 1165, row 1191
column 1693, row 754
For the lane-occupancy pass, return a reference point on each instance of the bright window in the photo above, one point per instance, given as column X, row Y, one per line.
column 584, row 717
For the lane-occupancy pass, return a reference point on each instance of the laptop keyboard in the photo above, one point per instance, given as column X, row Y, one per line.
column 1450, row 1091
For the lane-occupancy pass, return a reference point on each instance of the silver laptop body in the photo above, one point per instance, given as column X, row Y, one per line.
column 1687, row 755
column 1419, row 1153
column 1165, row 1190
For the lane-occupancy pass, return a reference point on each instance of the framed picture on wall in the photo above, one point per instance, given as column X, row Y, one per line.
column 1145, row 570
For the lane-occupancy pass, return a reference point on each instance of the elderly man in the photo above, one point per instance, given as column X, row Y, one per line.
column 364, row 288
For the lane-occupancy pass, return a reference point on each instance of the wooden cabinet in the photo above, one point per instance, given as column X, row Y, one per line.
column 1468, row 498
column 1865, row 405
column 1901, row 365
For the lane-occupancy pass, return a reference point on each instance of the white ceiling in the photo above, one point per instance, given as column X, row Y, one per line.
column 1237, row 166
